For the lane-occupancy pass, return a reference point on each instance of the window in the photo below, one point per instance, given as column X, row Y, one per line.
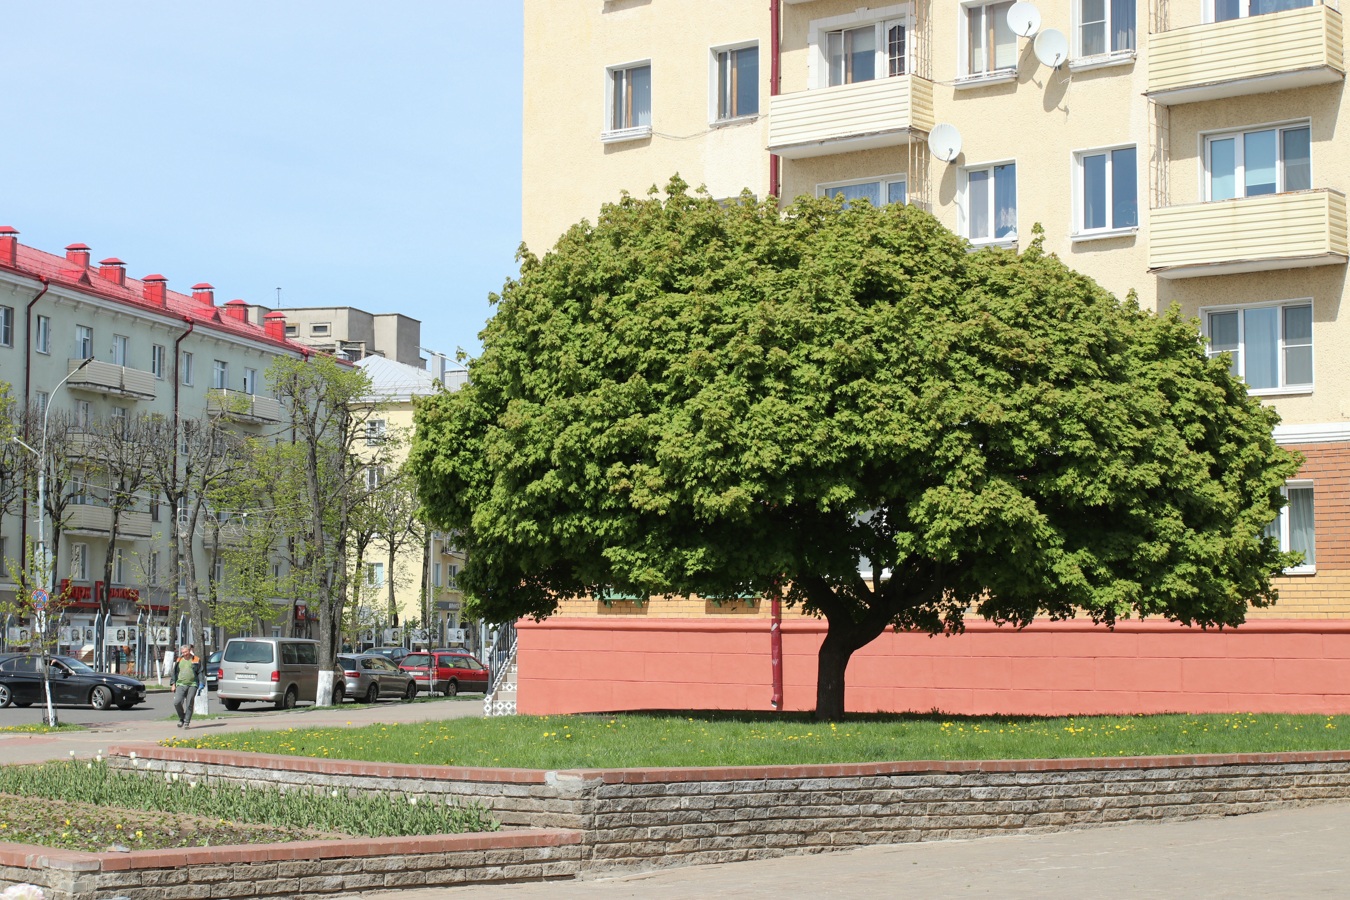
column 319, row 329
column 990, row 203
column 119, row 349
column 6, row 326
column 4, row 561
column 154, row 508
column 119, row 566
column 40, row 401
column 157, row 361
column 878, row 192
column 84, row 414
column 1271, row 345
column 737, row 82
column 374, row 432
column 866, row 52
column 220, row 375
column 375, row 574
column 436, row 574
column 43, row 342
column 84, row 342
column 1251, row 163
column 1294, row 527
column 152, row 568
column 1223, row 10
column 630, row 98
column 1107, row 190
column 185, row 368
column 250, row 381
column 79, row 562
column 453, row 581
column 120, row 424
column 292, row 331
column 218, row 570
column 1105, row 26
column 374, row 477
column 990, row 44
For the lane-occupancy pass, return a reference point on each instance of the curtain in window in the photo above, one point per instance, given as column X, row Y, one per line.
column 1298, row 358
column 738, row 83
column 1297, row 153
column 1261, row 338
column 1261, row 7
column 852, row 54
column 632, row 98
column 1005, row 201
column 1092, row 27
column 1124, row 189
column 870, row 191
column 1005, row 42
column 1223, row 169
column 1094, row 191
column 1122, row 25
column 895, row 192
column 1302, row 537
column 977, row 187
column 1258, row 162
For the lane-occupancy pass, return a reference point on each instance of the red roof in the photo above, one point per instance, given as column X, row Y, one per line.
column 59, row 270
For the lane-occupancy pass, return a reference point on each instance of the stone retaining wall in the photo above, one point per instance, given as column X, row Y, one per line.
column 644, row 818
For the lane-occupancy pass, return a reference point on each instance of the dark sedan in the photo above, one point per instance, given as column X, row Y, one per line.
column 73, row 684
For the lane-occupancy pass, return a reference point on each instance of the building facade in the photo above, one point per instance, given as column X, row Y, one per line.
column 102, row 348
column 1183, row 150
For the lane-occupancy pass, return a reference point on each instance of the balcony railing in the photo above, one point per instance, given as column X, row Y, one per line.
column 87, row 518
column 1252, row 55
column 886, row 112
column 1249, row 234
column 107, row 378
column 243, row 407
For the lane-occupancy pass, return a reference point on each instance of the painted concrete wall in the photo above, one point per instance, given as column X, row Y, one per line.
column 589, row 665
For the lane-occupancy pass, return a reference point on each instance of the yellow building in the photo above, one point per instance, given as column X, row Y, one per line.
column 1185, row 150
column 424, row 563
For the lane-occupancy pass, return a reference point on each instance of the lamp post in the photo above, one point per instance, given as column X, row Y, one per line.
column 44, row 552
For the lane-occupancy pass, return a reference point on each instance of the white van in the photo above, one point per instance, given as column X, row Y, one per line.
column 281, row 671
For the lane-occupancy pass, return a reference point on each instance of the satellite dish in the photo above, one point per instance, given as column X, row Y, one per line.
column 945, row 142
column 1024, row 19
column 1051, row 47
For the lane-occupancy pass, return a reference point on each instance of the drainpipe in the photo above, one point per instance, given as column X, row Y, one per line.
column 176, row 380
column 27, row 384
column 776, row 646
column 775, row 49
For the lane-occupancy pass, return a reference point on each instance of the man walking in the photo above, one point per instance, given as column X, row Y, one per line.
column 187, row 670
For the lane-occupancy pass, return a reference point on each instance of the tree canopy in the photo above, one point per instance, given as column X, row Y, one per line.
column 699, row 397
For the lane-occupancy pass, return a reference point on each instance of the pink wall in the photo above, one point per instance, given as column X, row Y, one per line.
column 1056, row 668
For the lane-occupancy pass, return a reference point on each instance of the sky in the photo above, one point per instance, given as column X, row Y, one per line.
column 350, row 154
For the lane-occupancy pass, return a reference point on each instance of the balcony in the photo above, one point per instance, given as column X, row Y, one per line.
column 107, row 378
column 240, row 407
column 1249, row 234
column 886, row 112
column 97, row 520
column 1255, row 55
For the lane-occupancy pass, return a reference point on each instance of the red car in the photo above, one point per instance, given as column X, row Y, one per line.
column 455, row 671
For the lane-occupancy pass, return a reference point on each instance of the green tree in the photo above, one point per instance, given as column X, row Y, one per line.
column 694, row 397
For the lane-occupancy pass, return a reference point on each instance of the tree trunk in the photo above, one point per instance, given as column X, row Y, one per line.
column 843, row 637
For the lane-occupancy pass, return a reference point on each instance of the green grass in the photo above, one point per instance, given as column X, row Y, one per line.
column 79, row 804
column 39, row 729
column 739, row 739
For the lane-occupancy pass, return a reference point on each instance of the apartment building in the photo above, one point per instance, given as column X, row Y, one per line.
column 419, row 574
column 104, row 347
column 1185, row 150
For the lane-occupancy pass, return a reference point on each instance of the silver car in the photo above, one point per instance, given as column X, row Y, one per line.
column 369, row 676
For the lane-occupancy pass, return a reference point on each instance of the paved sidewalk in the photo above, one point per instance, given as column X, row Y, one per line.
column 1285, row 854
column 23, row 748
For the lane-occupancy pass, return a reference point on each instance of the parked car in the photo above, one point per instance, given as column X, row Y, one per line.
column 368, row 676
column 72, row 682
column 456, row 671
column 212, row 673
column 393, row 654
column 280, row 671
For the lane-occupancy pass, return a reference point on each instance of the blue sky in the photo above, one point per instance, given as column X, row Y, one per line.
column 361, row 154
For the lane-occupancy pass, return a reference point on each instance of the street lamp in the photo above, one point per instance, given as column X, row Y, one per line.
column 44, row 552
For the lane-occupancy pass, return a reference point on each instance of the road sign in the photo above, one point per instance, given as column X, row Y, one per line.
column 39, row 599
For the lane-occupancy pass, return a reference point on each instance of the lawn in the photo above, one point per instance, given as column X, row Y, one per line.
column 85, row 805
column 741, row 739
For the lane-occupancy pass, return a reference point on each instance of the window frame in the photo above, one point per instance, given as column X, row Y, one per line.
column 121, row 350
column 42, row 339
column 1208, row 138
column 1244, row 11
column 965, row 74
column 883, row 183
column 1283, row 388
column 84, row 341
column 158, row 354
column 321, row 329
column 715, row 86
column 1079, row 231
column 963, row 205
column 1282, row 525
column 612, row 131
column 79, row 555
column 1076, row 53
column 185, row 367
column 220, row 374
column 818, row 60
column 6, row 326
column 250, row 381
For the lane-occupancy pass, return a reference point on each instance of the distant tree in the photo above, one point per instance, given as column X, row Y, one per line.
column 698, row 397
column 117, row 456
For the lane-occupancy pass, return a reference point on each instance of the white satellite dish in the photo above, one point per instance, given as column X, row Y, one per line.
column 945, row 142
column 1024, row 19
column 1051, row 47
